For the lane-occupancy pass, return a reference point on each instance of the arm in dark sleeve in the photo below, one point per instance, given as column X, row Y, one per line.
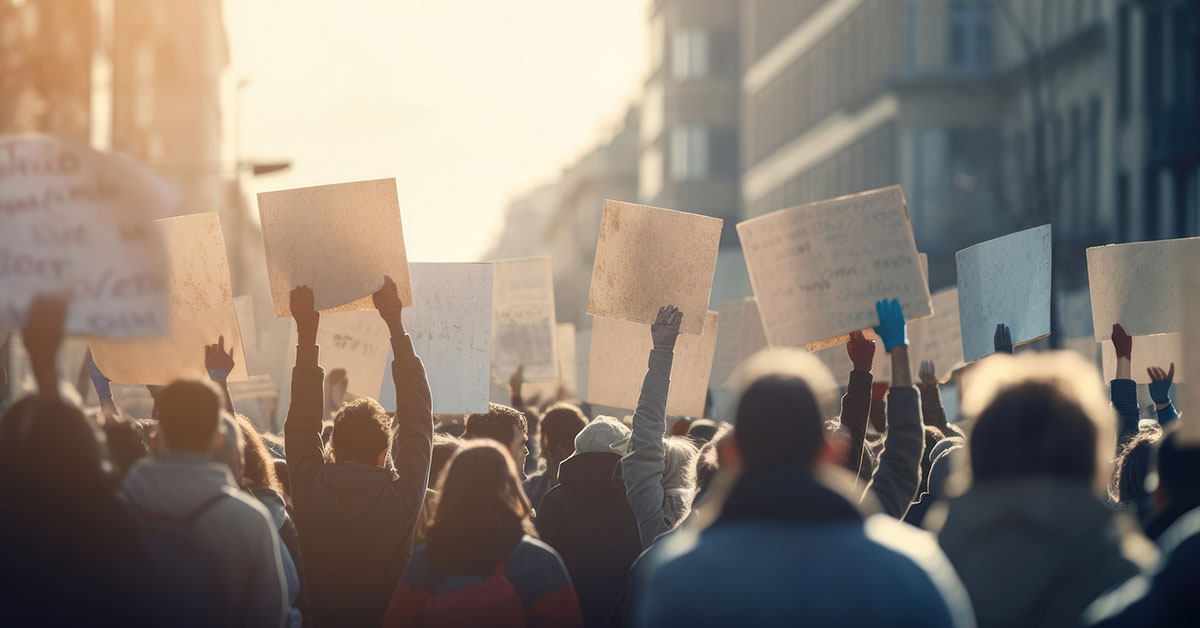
column 933, row 413
column 412, row 427
column 899, row 474
column 856, row 406
column 302, row 430
column 1124, row 400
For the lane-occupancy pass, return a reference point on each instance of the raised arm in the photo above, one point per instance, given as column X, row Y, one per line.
column 103, row 387
column 642, row 469
column 896, row 480
column 43, row 336
column 1002, row 340
column 412, row 425
column 1160, row 388
column 932, row 412
column 1122, row 388
column 856, row 403
column 302, row 430
column 219, row 365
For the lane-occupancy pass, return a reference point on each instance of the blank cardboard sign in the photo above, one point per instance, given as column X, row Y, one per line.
column 648, row 258
column 620, row 352
column 201, row 311
column 939, row 337
column 818, row 269
column 1189, row 286
column 564, row 339
column 1160, row 350
column 523, row 320
column 340, row 240
column 1005, row 280
column 73, row 219
column 1136, row 285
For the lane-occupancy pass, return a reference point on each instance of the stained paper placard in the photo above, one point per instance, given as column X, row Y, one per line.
column 340, row 240
column 201, row 311
column 938, row 338
column 1160, row 350
column 1136, row 285
column 1005, row 280
column 740, row 337
column 648, row 258
column 1189, row 286
column 564, row 338
column 451, row 330
column 620, row 352
column 818, row 269
column 355, row 341
column 523, row 320
column 244, row 306
column 75, row 220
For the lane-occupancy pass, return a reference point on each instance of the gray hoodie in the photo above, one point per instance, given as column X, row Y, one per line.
column 234, row 533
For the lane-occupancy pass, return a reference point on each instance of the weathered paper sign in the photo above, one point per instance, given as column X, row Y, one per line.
column 78, row 221
column 1005, row 280
column 620, row 351
column 740, row 337
column 1160, row 350
column 201, row 311
column 1189, row 286
column 340, row 240
column 523, row 320
column 648, row 258
column 1136, row 285
column 937, row 338
column 564, row 338
column 818, row 269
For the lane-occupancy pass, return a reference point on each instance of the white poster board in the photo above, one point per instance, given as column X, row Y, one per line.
column 201, row 311
column 564, row 338
column 938, row 338
column 523, row 320
column 1136, row 285
column 1189, row 286
column 819, row 269
column 1005, row 280
column 1160, row 350
column 620, row 352
column 648, row 258
column 78, row 221
column 340, row 240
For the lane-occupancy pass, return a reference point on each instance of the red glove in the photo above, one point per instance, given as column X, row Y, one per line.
column 1122, row 341
column 861, row 350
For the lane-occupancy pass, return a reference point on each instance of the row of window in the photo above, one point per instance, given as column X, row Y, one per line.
column 697, row 152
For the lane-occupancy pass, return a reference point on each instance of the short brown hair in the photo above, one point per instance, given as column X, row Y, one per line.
column 188, row 414
column 360, row 432
column 560, row 424
column 497, row 424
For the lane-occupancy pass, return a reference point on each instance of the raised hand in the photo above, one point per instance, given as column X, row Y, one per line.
column 305, row 312
column 892, row 329
column 218, row 363
column 928, row 374
column 861, row 350
column 515, row 382
column 1160, row 384
column 665, row 329
column 1002, row 340
column 43, row 336
column 387, row 302
column 337, row 382
column 1122, row 342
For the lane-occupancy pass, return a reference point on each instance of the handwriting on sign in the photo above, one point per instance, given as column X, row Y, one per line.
column 350, row 343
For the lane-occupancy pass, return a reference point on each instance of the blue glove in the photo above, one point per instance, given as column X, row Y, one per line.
column 1159, row 390
column 892, row 329
column 103, row 390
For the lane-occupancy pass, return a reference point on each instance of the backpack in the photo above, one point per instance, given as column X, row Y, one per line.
column 491, row 602
column 184, row 583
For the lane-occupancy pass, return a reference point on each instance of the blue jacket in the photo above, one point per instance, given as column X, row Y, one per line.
column 789, row 550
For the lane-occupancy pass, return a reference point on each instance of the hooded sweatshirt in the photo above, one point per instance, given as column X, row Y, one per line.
column 1033, row 552
column 356, row 520
column 232, row 536
column 587, row 519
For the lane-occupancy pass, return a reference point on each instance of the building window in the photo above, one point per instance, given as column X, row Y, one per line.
column 910, row 38
column 650, row 175
column 689, row 153
column 690, row 53
column 970, row 48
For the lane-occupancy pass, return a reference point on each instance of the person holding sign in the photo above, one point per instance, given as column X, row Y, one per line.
column 357, row 514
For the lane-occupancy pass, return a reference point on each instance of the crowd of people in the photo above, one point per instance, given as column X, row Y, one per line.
column 1053, row 503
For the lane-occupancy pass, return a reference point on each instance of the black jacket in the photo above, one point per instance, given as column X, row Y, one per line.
column 356, row 520
column 588, row 520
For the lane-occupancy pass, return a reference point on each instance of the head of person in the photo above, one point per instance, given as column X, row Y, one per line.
column 1128, row 485
column 561, row 423
column 679, row 463
column 701, row 431
column 444, row 448
column 604, row 435
column 51, row 448
column 505, row 425
column 780, row 419
column 361, row 433
column 189, row 413
column 258, row 466
column 708, row 460
column 1176, row 471
column 482, row 511
column 230, row 449
column 1038, row 415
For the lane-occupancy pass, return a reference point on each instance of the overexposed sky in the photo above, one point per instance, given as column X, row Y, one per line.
column 465, row 102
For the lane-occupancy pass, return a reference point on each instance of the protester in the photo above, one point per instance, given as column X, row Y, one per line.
column 792, row 544
column 1031, row 539
column 357, row 515
column 506, row 426
column 444, row 448
column 558, row 426
column 589, row 521
column 481, row 564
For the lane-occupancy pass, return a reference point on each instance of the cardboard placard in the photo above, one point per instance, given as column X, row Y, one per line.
column 1189, row 287
column 1160, row 350
column 78, row 221
column 564, row 338
column 938, row 338
column 818, row 269
column 340, row 240
column 1005, row 280
column 523, row 320
column 740, row 337
column 648, row 258
column 201, row 311
column 1136, row 285
column 620, row 351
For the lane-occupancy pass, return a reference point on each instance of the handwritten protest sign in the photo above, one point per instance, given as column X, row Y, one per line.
column 938, row 338
column 1159, row 350
column 79, row 221
column 647, row 258
column 1005, row 280
column 620, row 351
column 523, row 320
column 340, row 240
column 201, row 311
column 451, row 330
column 740, row 337
column 818, row 269
column 1136, row 285
column 1189, row 286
